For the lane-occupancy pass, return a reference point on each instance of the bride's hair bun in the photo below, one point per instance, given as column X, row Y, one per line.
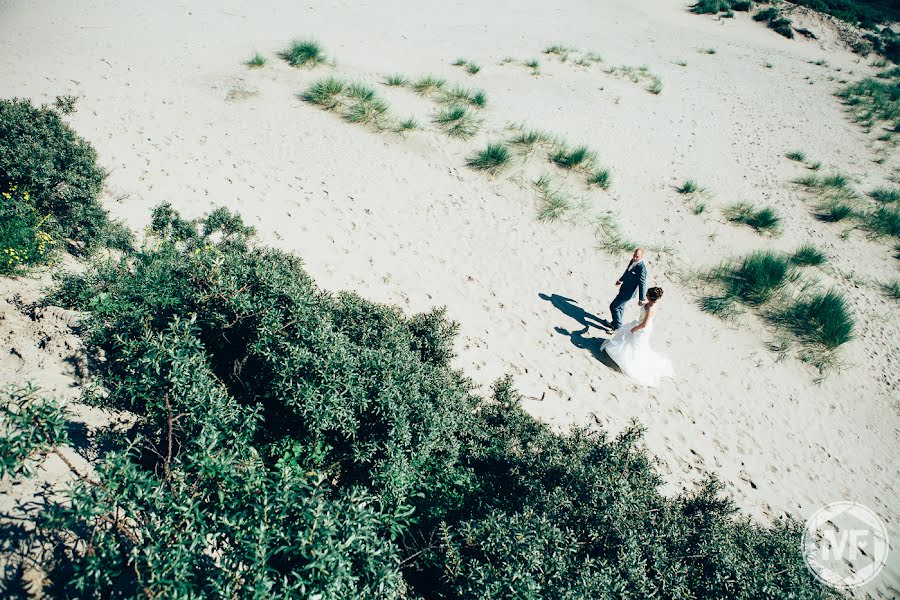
column 655, row 293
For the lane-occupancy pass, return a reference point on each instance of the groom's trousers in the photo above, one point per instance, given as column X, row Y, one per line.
column 618, row 305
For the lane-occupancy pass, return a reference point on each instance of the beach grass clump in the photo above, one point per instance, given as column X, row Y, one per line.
column 707, row 50
column 711, row 7
column 459, row 94
column 578, row 158
column 529, row 138
column 492, row 159
column 882, row 221
column 457, row 121
column 689, row 187
column 752, row 280
column 304, row 53
column 560, row 51
column 610, row 238
column 834, row 210
column 601, row 178
column 533, row 64
column 326, row 92
column 823, row 319
column 885, row 195
column 364, row 105
column 471, row 68
column 892, row 289
column 874, row 100
column 655, row 87
column 428, row 84
column 256, row 61
column 808, row 255
column 396, row 80
column 553, row 202
column 796, row 155
column 764, row 220
column 408, row 124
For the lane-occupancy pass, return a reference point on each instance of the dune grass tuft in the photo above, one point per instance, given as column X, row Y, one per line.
column 256, row 61
column 885, row 195
column 822, row 319
column 457, row 121
column 689, row 187
column 428, row 84
column 561, row 52
column 325, row 92
column 601, row 178
column 534, row 65
column 797, row 155
column 408, row 124
column 493, row 159
column 764, row 220
column 808, row 255
column 892, row 289
column 655, row 86
column 396, row 80
column 459, row 94
column 580, row 157
column 609, row 236
column 883, row 221
column 874, row 100
column 364, row 105
column 708, row 50
column 553, row 202
column 528, row 138
column 303, row 53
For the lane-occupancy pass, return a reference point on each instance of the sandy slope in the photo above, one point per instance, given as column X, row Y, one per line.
column 175, row 116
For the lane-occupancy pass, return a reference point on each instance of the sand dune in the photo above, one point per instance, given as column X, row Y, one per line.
column 175, row 116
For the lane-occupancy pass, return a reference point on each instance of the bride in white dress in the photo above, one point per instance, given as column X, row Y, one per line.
column 630, row 347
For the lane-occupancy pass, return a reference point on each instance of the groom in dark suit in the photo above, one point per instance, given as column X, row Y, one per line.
column 634, row 279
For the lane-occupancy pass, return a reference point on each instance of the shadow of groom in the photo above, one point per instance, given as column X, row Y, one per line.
column 571, row 309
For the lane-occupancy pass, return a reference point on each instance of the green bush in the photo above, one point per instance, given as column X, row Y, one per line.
column 41, row 155
column 25, row 238
column 294, row 442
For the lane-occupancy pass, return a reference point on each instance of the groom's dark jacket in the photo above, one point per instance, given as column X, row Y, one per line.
column 634, row 278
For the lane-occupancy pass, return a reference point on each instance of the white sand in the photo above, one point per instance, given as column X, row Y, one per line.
column 176, row 117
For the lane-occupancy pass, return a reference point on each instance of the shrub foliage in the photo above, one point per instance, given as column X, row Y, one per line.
column 294, row 442
column 43, row 158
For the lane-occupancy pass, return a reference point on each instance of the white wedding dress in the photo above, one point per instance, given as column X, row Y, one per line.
column 632, row 352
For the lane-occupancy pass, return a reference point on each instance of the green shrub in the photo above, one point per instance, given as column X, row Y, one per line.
column 494, row 158
column 766, row 14
column 25, row 236
column 291, row 442
column 822, row 319
column 303, row 53
column 711, row 7
column 782, row 26
column 41, row 155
